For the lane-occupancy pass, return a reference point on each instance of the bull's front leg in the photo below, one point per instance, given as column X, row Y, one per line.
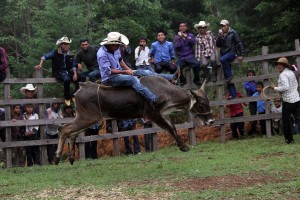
column 72, row 149
column 61, row 142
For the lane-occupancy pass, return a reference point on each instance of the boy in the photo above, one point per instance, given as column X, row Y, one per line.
column 141, row 55
column 261, row 107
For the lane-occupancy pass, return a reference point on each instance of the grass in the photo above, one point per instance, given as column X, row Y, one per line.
column 254, row 168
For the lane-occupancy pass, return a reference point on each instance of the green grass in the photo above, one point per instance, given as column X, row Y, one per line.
column 170, row 174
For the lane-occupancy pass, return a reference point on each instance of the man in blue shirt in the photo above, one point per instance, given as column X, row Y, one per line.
column 162, row 54
column 115, row 72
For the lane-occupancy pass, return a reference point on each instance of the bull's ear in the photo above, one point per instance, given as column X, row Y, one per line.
column 192, row 102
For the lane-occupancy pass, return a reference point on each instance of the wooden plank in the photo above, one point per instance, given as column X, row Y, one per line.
column 8, row 117
column 34, row 101
column 30, row 80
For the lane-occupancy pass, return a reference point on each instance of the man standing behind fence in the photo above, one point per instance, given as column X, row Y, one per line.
column 231, row 45
column 287, row 86
column 63, row 66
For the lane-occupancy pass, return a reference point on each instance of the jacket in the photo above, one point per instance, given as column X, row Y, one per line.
column 230, row 42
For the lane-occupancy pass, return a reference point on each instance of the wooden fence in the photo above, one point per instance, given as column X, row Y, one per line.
column 219, row 103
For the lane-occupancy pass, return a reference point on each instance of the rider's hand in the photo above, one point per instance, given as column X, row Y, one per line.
column 128, row 72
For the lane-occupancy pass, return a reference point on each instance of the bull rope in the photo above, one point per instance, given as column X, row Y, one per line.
column 99, row 99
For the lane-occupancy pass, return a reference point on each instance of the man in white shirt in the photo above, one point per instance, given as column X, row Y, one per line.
column 141, row 55
column 288, row 87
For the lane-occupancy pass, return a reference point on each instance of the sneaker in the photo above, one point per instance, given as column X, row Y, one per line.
column 67, row 102
column 159, row 102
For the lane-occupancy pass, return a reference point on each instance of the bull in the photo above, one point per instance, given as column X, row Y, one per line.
column 94, row 102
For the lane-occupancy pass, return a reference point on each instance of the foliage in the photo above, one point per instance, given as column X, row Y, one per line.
column 168, row 171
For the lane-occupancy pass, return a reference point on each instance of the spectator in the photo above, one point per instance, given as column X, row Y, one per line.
column 91, row 147
column 54, row 112
column 205, row 50
column 30, row 93
column 63, row 66
column 236, row 110
column 147, row 137
column 125, row 52
column 127, row 125
column 87, row 55
column 141, row 54
column 230, row 43
column 115, row 72
column 287, row 86
column 3, row 64
column 250, row 87
column 277, row 123
column 261, row 107
column 184, row 47
column 162, row 54
column 68, row 112
column 31, row 133
column 17, row 134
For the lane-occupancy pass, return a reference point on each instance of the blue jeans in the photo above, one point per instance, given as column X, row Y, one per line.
column 165, row 65
column 226, row 60
column 150, row 73
column 132, row 81
column 93, row 75
column 67, row 78
column 145, row 67
column 192, row 62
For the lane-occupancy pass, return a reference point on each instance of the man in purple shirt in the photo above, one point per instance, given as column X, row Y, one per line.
column 184, row 43
column 115, row 72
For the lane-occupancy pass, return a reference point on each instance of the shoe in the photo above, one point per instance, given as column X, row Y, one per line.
column 159, row 102
column 67, row 102
column 228, row 80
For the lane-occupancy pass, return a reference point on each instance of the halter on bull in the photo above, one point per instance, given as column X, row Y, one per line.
column 95, row 102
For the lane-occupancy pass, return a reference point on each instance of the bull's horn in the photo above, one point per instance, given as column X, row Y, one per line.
column 203, row 85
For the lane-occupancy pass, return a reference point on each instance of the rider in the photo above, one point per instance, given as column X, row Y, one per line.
column 115, row 72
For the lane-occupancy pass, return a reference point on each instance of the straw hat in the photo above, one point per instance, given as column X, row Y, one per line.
column 201, row 24
column 63, row 40
column 28, row 87
column 115, row 38
column 284, row 62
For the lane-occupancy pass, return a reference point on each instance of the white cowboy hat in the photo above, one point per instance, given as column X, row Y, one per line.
column 28, row 87
column 63, row 40
column 115, row 38
column 201, row 24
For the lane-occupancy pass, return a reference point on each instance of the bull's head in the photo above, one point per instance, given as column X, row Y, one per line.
column 199, row 105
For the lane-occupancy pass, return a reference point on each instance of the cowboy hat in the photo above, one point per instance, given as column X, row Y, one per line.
column 115, row 38
column 63, row 40
column 224, row 22
column 283, row 61
column 201, row 24
column 28, row 87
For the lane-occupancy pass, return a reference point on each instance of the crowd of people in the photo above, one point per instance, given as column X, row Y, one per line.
column 109, row 64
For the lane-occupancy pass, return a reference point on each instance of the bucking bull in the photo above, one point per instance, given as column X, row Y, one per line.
column 93, row 102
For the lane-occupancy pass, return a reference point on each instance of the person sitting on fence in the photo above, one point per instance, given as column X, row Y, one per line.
column 115, row 72
column 87, row 55
column 250, row 87
column 236, row 110
column 17, row 134
column 184, row 46
column 277, row 123
column 205, row 50
column 3, row 64
column 288, row 87
column 162, row 54
column 31, row 133
column 261, row 107
column 127, row 125
column 230, row 43
column 54, row 112
column 63, row 66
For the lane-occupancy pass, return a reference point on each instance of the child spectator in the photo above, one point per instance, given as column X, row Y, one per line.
column 54, row 112
column 162, row 54
column 31, row 133
column 236, row 110
column 68, row 112
column 17, row 134
column 250, row 87
column 141, row 54
column 277, row 123
column 261, row 107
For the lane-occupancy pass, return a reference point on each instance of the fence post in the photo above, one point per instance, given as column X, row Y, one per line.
column 265, row 51
column 81, row 147
column 154, row 139
column 297, row 48
column 7, row 151
column 115, row 140
column 42, row 108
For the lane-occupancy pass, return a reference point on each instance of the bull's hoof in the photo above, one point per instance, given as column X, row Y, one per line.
column 71, row 160
column 56, row 160
column 184, row 148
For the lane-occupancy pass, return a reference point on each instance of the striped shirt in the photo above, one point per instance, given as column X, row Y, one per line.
column 288, row 86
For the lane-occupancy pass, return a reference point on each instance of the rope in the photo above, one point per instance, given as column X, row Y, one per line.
column 99, row 100
column 267, row 97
